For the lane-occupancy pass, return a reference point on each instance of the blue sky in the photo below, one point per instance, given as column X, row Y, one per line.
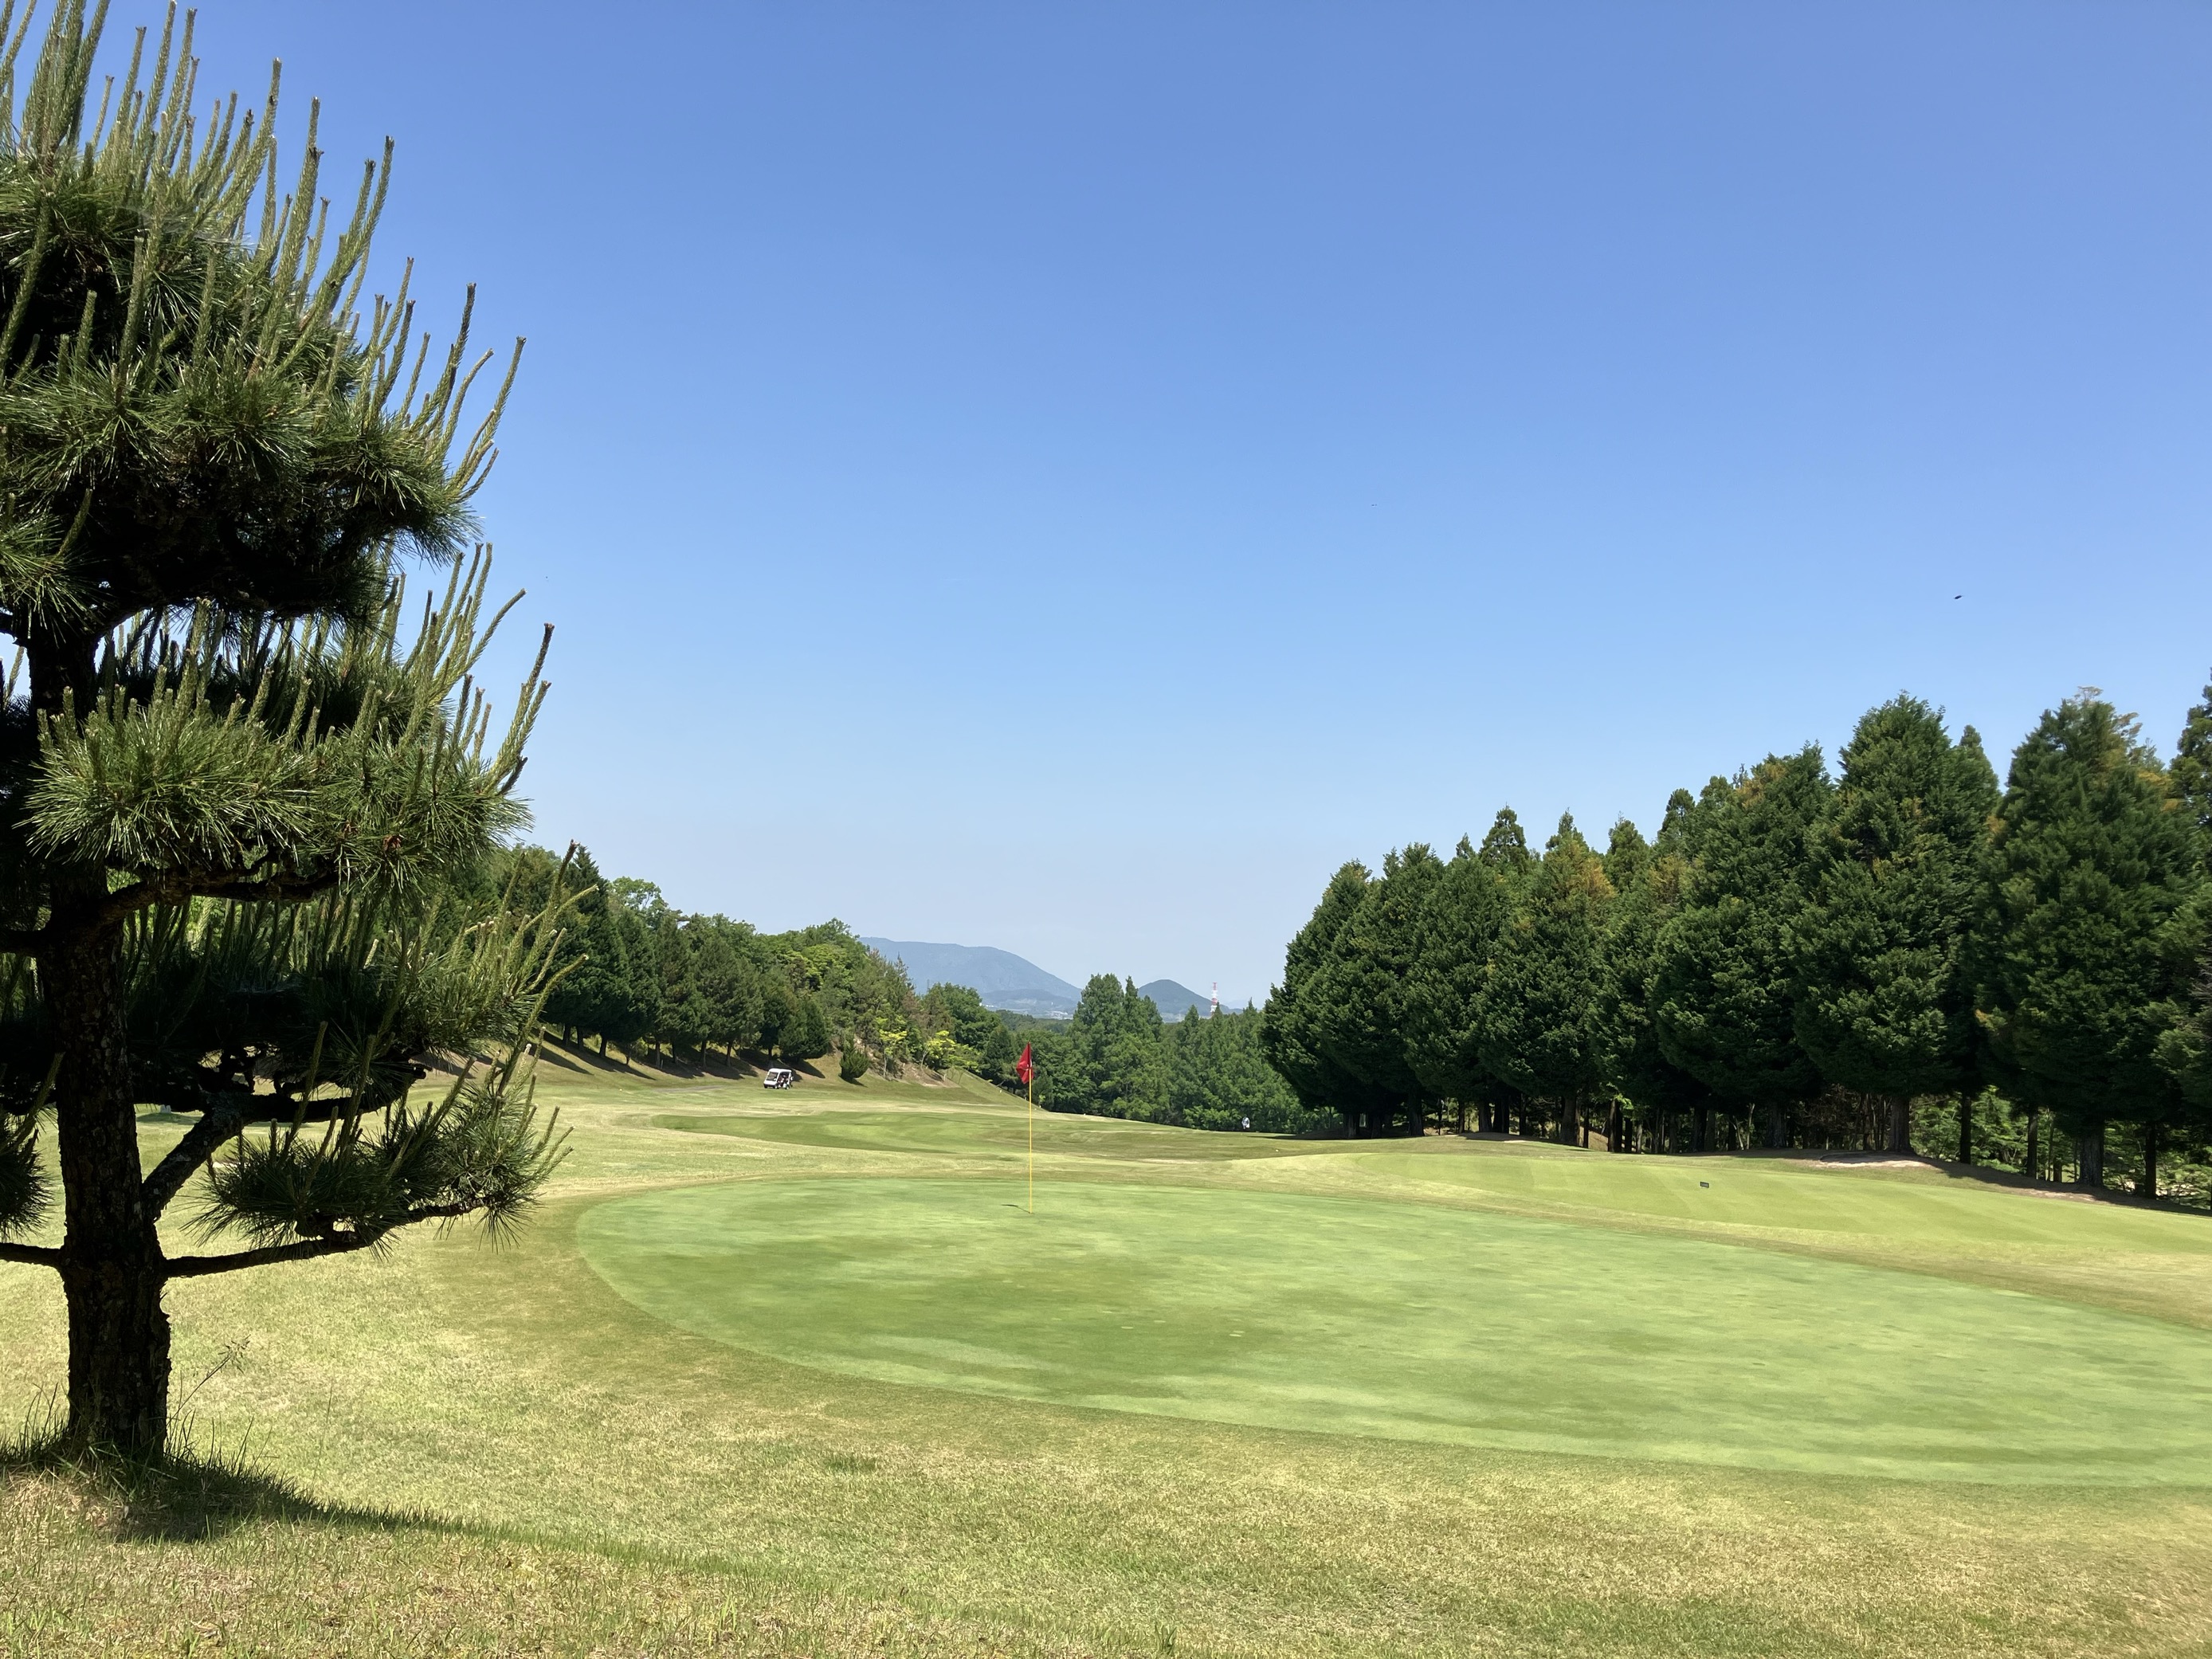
column 1066, row 477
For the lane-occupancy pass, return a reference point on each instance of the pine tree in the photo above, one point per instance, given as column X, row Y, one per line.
column 1885, row 1005
column 1722, row 984
column 2095, row 924
column 227, row 752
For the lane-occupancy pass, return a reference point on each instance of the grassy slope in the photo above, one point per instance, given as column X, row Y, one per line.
column 586, row 1477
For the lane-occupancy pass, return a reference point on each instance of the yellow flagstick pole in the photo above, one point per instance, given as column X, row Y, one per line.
column 1032, row 1123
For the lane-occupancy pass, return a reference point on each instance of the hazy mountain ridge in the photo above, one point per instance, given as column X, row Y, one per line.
column 1173, row 1000
column 1014, row 983
column 1002, row 979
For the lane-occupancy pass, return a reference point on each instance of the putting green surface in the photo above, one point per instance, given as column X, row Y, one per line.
column 1407, row 1320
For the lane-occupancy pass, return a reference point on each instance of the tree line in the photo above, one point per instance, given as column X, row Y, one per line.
column 1117, row 1057
column 1799, row 958
column 637, row 974
column 633, row 972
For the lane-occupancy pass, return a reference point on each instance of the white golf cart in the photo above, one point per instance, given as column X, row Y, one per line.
column 778, row 1077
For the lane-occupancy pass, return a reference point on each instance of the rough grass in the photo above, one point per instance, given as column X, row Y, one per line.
column 493, row 1451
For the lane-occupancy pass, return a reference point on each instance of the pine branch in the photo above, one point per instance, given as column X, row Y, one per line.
column 31, row 1254
column 251, row 1110
column 244, row 887
column 307, row 1249
column 304, row 1249
column 216, row 1126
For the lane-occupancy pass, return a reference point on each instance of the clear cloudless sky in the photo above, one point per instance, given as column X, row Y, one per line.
column 1067, row 476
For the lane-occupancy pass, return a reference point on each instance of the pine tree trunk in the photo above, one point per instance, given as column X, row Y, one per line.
column 2150, row 1162
column 1777, row 1129
column 1966, row 1127
column 1612, row 1127
column 2089, row 1156
column 2028, row 1166
column 1705, row 1132
column 111, row 1264
column 1901, row 1124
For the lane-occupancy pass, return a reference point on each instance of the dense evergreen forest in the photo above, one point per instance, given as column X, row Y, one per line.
column 1901, row 955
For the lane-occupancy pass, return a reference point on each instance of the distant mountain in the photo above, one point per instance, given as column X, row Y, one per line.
column 1173, row 1000
column 1002, row 979
column 1005, row 981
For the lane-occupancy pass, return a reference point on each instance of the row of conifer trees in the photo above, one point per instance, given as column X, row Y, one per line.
column 1796, row 959
column 1117, row 1057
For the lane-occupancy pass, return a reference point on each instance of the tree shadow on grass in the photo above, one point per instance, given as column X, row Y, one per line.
column 182, row 1495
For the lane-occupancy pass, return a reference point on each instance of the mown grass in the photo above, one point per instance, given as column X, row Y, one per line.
column 493, row 1451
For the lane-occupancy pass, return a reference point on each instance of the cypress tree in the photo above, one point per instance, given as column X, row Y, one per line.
column 1291, row 1024
column 1647, row 882
column 2094, row 926
column 590, row 954
column 1504, row 848
column 1362, row 1017
column 210, row 456
column 806, row 1034
column 1883, row 1002
column 1539, row 1010
column 1442, row 1002
column 2191, row 772
column 728, row 984
column 1216, row 1077
column 1722, row 984
column 1113, row 1052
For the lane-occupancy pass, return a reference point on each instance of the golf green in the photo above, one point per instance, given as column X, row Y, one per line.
column 1414, row 1321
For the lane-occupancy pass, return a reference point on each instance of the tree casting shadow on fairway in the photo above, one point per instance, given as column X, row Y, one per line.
column 180, row 1497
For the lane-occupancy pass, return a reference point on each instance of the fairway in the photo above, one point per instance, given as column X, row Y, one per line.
column 1350, row 1316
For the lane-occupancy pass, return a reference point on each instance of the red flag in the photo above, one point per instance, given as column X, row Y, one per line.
column 1024, row 1068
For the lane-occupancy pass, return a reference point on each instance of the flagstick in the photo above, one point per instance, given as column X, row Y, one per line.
column 1031, row 1118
